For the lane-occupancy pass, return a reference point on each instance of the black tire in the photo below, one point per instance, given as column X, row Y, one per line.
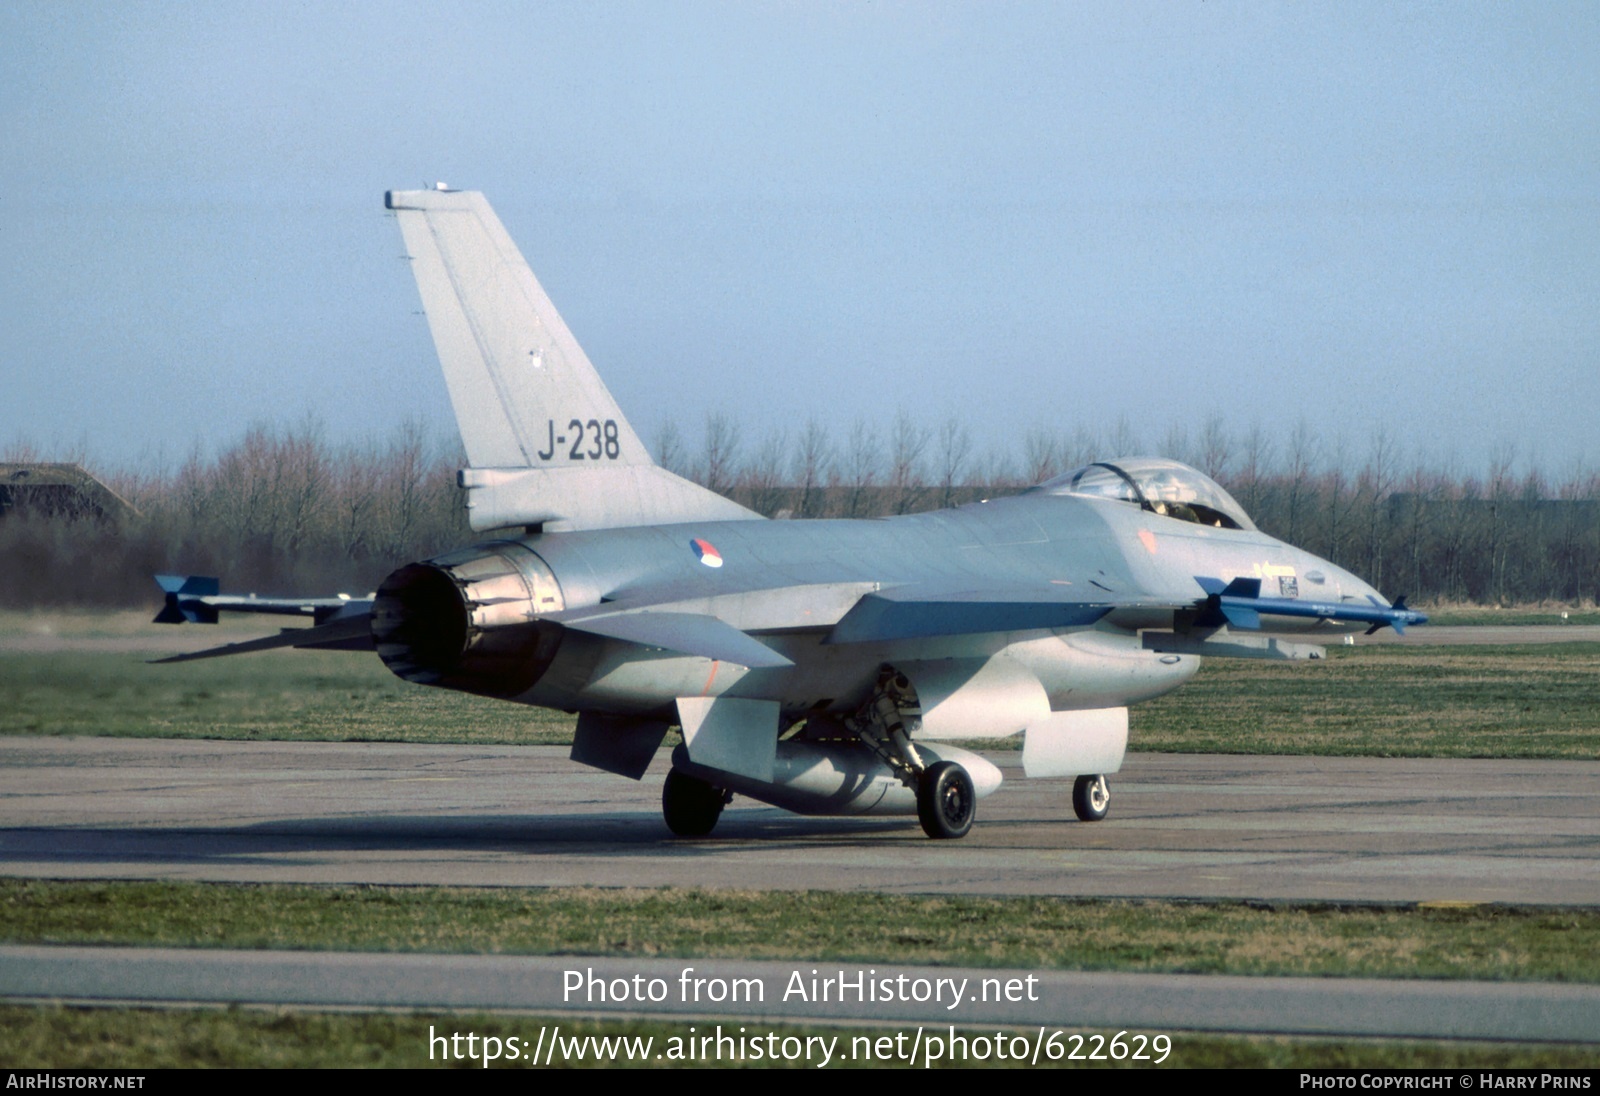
column 1091, row 798
column 946, row 800
column 691, row 806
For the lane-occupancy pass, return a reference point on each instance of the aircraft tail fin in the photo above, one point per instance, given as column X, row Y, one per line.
column 546, row 442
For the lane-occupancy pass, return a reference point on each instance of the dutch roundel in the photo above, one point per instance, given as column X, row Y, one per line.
column 707, row 554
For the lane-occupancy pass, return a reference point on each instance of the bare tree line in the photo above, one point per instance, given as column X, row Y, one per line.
column 1500, row 534
column 283, row 510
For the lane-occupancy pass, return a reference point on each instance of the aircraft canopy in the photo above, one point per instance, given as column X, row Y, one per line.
column 1161, row 486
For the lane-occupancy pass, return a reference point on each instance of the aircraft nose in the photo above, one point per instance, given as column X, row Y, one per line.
column 1357, row 588
column 1354, row 588
column 1340, row 583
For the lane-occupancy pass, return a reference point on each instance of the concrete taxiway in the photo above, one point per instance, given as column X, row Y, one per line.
column 752, row 991
column 1181, row 826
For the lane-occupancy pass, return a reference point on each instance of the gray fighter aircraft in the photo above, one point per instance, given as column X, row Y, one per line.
column 819, row 666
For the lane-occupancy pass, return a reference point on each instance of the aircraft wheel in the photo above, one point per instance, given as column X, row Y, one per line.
column 1091, row 797
column 946, row 800
column 691, row 806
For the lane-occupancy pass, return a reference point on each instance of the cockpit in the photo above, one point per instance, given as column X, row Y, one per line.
column 1160, row 486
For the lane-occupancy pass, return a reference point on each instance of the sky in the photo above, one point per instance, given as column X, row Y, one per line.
column 1367, row 217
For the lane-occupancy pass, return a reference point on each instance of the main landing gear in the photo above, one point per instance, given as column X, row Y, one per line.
column 943, row 790
column 946, row 799
column 1091, row 797
column 691, row 806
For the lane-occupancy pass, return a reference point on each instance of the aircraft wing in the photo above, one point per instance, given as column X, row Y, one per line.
column 721, row 627
column 728, row 627
column 920, row 610
column 683, row 633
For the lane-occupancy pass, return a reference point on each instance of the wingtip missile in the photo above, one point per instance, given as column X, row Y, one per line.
column 198, row 599
column 1396, row 615
column 184, row 599
column 1239, row 605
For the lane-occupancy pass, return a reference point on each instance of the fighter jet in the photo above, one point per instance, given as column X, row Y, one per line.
column 825, row 666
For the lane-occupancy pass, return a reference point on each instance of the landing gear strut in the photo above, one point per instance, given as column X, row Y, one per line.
column 1091, row 797
column 691, row 806
column 946, row 799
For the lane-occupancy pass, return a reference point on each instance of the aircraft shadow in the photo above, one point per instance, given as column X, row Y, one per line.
column 619, row 834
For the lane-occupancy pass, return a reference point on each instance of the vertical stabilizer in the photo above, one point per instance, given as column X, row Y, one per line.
column 546, row 442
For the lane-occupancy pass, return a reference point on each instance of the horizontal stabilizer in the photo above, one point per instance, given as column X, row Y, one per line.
column 683, row 633
column 351, row 633
column 912, row 612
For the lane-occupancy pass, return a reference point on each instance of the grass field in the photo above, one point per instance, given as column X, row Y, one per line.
column 1389, row 701
column 1476, row 942
column 1034, row 933
column 1480, row 614
column 1386, row 701
column 288, row 695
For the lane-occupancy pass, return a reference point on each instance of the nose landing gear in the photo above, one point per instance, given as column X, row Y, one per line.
column 1091, row 797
